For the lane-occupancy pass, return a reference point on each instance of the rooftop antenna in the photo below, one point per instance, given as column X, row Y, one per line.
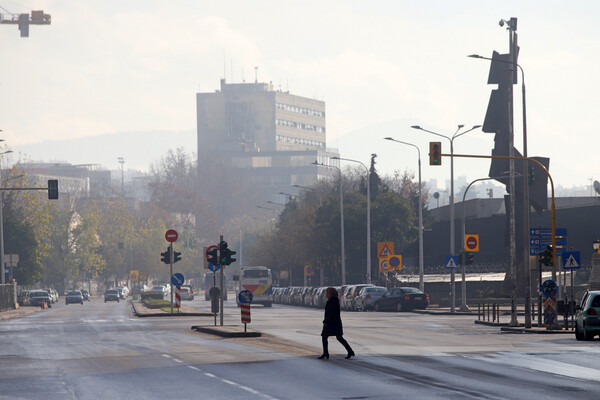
column 256, row 74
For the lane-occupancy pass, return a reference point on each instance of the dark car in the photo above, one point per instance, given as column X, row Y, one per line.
column 402, row 299
column 39, row 297
column 587, row 322
column 74, row 296
column 112, row 295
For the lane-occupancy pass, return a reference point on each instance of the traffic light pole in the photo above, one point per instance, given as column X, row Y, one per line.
column 221, row 284
column 553, row 210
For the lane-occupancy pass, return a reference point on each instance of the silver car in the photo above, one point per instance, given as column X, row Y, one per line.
column 367, row 296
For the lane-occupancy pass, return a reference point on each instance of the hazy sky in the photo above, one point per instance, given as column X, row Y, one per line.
column 119, row 66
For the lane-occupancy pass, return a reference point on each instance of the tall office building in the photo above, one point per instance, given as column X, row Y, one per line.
column 270, row 136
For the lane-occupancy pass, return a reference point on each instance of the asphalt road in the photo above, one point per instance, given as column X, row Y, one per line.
column 100, row 350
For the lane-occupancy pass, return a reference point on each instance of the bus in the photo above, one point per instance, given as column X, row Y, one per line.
column 214, row 279
column 259, row 281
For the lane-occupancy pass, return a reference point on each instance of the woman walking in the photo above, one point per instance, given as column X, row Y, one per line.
column 332, row 324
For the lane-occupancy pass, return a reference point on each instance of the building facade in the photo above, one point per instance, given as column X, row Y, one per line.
column 271, row 137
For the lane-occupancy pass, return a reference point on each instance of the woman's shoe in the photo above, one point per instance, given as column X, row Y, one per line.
column 351, row 354
column 326, row 356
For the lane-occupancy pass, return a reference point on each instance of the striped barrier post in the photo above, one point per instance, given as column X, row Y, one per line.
column 178, row 297
column 245, row 309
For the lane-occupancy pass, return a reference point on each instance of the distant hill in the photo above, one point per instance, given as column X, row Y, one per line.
column 138, row 149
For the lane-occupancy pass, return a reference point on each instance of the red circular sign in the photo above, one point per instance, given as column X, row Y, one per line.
column 471, row 242
column 171, row 235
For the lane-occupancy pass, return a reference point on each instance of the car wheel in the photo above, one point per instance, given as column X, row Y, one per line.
column 399, row 307
column 578, row 335
column 587, row 335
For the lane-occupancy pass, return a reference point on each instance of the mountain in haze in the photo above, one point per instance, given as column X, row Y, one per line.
column 138, row 149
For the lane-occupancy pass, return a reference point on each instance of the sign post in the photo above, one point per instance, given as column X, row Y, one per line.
column 176, row 281
column 171, row 236
column 245, row 298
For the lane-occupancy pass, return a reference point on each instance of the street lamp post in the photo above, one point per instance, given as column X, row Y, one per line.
column 452, row 247
column 341, row 220
column 526, row 208
column 421, row 284
column 368, row 214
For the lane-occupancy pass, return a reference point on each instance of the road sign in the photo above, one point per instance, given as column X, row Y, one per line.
column 308, row 270
column 547, row 232
column 385, row 249
column 213, row 267
column 134, row 276
column 395, row 262
column 245, row 297
column 177, row 279
column 472, row 242
column 451, row 261
column 245, row 309
column 171, row 235
column 143, row 277
column 549, row 288
column 384, row 265
column 571, row 260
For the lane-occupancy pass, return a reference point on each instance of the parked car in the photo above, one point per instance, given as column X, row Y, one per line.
column 587, row 321
column 352, row 294
column 191, row 288
column 112, row 295
column 85, row 294
column 159, row 288
column 367, row 296
column 402, row 299
column 122, row 294
column 23, row 297
column 74, row 296
column 53, row 298
column 185, row 293
column 38, row 297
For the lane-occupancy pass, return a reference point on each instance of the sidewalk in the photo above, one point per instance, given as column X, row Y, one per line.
column 19, row 312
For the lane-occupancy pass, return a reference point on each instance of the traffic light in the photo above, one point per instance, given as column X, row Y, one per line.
column 435, row 153
column 546, row 257
column 166, row 256
column 213, row 256
column 469, row 258
column 176, row 256
column 225, row 254
column 52, row 189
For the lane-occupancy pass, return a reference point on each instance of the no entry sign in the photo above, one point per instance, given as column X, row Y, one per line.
column 171, row 235
column 472, row 242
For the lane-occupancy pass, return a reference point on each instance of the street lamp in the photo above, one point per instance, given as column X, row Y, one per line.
column 341, row 220
column 421, row 284
column 368, row 214
column 526, row 208
column 596, row 245
column 451, row 140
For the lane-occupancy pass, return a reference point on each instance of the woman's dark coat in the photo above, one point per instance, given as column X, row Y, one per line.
column 332, row 321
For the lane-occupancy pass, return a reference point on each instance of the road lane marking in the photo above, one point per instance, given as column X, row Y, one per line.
column 194, row 368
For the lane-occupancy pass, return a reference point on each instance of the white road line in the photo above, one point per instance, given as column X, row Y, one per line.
column 194, row 368
column 177, row 360
column 166, row 355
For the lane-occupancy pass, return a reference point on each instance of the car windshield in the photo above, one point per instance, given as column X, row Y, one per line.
column 376, row 290
column 39, row 294
column 73, row 293
column 411, row 290
column 111, row 292
column 596, row 302
column 256, row 273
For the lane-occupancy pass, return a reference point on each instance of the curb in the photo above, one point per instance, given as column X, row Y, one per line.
column 164, row 314
column 229, row 331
